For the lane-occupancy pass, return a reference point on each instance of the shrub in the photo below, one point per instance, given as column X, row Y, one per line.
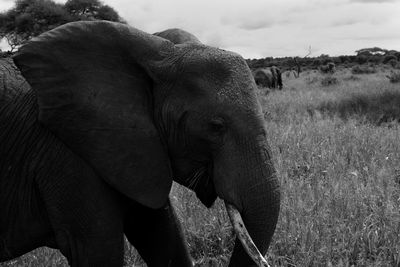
column 351, row 78
column 311, row 80
column 376, row 108
column 362, row 69
column 393, row 62
column 388, row 58
column 328, row 68
column 329, row 80
column 5, row 54
column 394, row 77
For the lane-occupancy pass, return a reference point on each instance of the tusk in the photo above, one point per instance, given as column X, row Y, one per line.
column 244, row 237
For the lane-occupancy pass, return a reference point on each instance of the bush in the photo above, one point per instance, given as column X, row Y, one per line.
column 376, row 108
column 393, row 62
column 388, row 58
column 329, row 80
column 5, row 54
column 394, row 77
column 362, row 69
column 351, row 78
column 311, row 80
column 328, row 68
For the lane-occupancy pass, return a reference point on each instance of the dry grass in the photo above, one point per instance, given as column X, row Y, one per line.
column 339, row 165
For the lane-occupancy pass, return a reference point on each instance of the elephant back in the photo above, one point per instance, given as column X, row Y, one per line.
column 178, row 36
column 263, row 77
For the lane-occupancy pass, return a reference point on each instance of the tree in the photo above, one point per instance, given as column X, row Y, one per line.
column 362, row 58
column 316, row 62
column 388, row 58
column 297, row 63
column 397, row 55
column 108, row 13
column 29, row 18
column 371, row 51
column 393, row 62
column 82, row 7
column 91, row 9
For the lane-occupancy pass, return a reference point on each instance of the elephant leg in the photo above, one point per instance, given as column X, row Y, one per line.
column 106, row 249
column 84, row 212
column 157, row 236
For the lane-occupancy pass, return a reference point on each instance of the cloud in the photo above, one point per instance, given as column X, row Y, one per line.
column 256, row 24
column 248, row 23
column 344, row 22
column 383, row 37
column 213, row 39
column 372, row 1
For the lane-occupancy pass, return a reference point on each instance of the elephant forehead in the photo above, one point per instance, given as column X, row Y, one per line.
column 239, row 93
column 221, row 72
column 238, row 87
column 206, row 59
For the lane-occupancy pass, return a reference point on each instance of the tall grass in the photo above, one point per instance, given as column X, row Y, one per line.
column 340, row 173
column 338, row 159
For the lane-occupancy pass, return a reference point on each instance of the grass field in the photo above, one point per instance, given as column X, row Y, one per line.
column 337, row 152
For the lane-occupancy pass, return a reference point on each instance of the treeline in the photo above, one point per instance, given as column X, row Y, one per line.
column 373, row 55
column 29, row 18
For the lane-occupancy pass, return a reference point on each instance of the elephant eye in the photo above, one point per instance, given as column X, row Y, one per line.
column 217, row 125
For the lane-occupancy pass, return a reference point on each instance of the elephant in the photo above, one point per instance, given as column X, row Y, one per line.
column 268, row 77
column 277, row 74
column 99, row 118
column 263, row 77
column 328, row 68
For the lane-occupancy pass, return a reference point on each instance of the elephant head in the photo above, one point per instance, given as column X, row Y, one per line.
column 143, row 111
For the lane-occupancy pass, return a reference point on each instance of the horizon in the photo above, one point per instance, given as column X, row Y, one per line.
column 286, row 28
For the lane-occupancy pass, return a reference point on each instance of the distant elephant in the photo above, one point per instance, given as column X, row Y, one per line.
column 90, row 147
column 277, row 77
column 263, row 77
column 268, row 77
column 328, row 68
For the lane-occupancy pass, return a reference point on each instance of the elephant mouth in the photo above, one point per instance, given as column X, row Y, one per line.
column 244, row 237
column 201, row 183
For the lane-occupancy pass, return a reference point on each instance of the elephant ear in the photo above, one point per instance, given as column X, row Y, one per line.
column 94, row 89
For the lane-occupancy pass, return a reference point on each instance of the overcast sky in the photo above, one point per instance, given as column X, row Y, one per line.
column 263, row 28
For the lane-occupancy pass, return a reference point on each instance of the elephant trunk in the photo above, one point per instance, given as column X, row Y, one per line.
column 258, row 201
column 244, row 237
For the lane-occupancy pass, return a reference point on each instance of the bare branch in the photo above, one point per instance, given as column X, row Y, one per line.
column 309, row 52
column 296, row 75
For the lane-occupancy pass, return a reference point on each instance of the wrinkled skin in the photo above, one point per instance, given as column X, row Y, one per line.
column 268, row 77
column 50, row 197
column 118, row 117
